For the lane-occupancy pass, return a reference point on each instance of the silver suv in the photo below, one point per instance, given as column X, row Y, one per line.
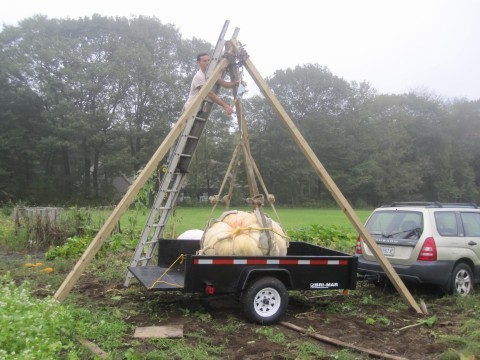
column 430, row 243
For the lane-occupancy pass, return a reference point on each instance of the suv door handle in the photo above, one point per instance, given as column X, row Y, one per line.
column 472, row 243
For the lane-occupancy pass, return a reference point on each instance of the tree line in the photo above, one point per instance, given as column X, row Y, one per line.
column 83, row 101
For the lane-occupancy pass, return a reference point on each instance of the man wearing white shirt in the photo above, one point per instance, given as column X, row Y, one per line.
column 200, row 79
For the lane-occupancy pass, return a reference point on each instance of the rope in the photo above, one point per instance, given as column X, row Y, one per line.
column 235, row 232
column 270, row 197
column 257, row 200
column 216, row 198
column 180, row 258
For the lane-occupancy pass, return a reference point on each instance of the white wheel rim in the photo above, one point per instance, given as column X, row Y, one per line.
column 463, row 283
column 267, row 302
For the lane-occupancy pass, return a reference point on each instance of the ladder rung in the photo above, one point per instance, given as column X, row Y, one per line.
column 163, row 208
column 193, row 137
column 144, row 259
column 186, row 155
column 199, row 118
column 151, row 241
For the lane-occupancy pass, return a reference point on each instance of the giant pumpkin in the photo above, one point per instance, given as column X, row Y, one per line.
column 242, row 233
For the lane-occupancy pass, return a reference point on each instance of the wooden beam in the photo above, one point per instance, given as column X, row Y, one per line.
column 330, row 185
column 166, row 332
column 94, row 348
column 341, row 343
column 132, row 192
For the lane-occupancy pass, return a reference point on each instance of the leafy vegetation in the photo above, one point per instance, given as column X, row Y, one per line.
column 33, row 328
column 331, row 236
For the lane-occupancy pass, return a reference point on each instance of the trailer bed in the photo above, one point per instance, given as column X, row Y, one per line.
column 306, row 267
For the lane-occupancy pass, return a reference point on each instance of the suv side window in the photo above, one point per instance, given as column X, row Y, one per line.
column 471, row 223
column 446, row 223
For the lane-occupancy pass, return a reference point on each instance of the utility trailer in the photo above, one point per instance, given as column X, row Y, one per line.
column 261, row 282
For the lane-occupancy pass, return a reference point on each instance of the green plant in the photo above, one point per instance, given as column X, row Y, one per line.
column 268, row 332
column 167, row 349
column 232, row 326
column 383, row 320
column 309, row 350
column 32, row 328
column 74, row 247
column 331, row 236
column 202, row 316
column 104, row 325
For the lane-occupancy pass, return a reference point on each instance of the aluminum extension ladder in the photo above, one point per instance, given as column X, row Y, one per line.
column 176, row 169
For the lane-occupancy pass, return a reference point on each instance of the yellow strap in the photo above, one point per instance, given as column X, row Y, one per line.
column 159, row 279
column 237, row 230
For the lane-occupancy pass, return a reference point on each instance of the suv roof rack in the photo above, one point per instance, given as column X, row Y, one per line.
column 432, row 204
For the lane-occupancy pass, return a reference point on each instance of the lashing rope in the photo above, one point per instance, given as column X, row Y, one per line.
column 235, row 232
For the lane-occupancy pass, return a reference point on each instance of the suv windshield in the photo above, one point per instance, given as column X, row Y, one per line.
column 396, row 224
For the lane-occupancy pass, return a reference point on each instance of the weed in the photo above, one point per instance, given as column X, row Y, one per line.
column 268, row 332
column 331, row 236
column 383, row 320
column 32, row 328
column 104, row 325
column 203, row 317
column 168, row 349
column 232, row 326
column 308, row 350
column 344, row 355
column 470, row 338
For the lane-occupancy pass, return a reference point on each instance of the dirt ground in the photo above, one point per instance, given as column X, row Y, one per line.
column 334, row 315
column 369, row 317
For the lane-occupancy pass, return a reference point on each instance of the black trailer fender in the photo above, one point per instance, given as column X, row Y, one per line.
column 252, row 274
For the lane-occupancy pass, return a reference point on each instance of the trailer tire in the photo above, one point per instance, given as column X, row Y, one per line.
column 265, row 301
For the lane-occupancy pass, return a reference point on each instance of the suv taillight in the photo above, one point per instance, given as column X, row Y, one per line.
column 358, row 248
column 429, row 250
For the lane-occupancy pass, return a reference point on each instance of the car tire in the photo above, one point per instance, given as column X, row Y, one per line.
column 461, row 282
column 265, row 301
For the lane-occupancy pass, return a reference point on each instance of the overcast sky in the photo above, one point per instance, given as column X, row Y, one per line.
column 395, row 45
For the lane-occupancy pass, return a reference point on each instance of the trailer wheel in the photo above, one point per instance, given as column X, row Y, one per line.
column 265, row 301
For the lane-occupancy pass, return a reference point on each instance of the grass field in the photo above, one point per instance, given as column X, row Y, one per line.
column 197, row 218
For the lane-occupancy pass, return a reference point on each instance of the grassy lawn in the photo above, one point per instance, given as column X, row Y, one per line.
column 196, row 218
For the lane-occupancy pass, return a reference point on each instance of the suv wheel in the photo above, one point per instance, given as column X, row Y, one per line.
column 462, row 280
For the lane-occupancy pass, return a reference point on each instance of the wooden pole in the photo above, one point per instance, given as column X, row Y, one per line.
column 341, row 343
column 132, row 192
column 331, row 186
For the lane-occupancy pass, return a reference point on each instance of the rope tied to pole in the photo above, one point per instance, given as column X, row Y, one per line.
column 257, row 200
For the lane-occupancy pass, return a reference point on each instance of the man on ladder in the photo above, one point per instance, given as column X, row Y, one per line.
column 200, row 78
